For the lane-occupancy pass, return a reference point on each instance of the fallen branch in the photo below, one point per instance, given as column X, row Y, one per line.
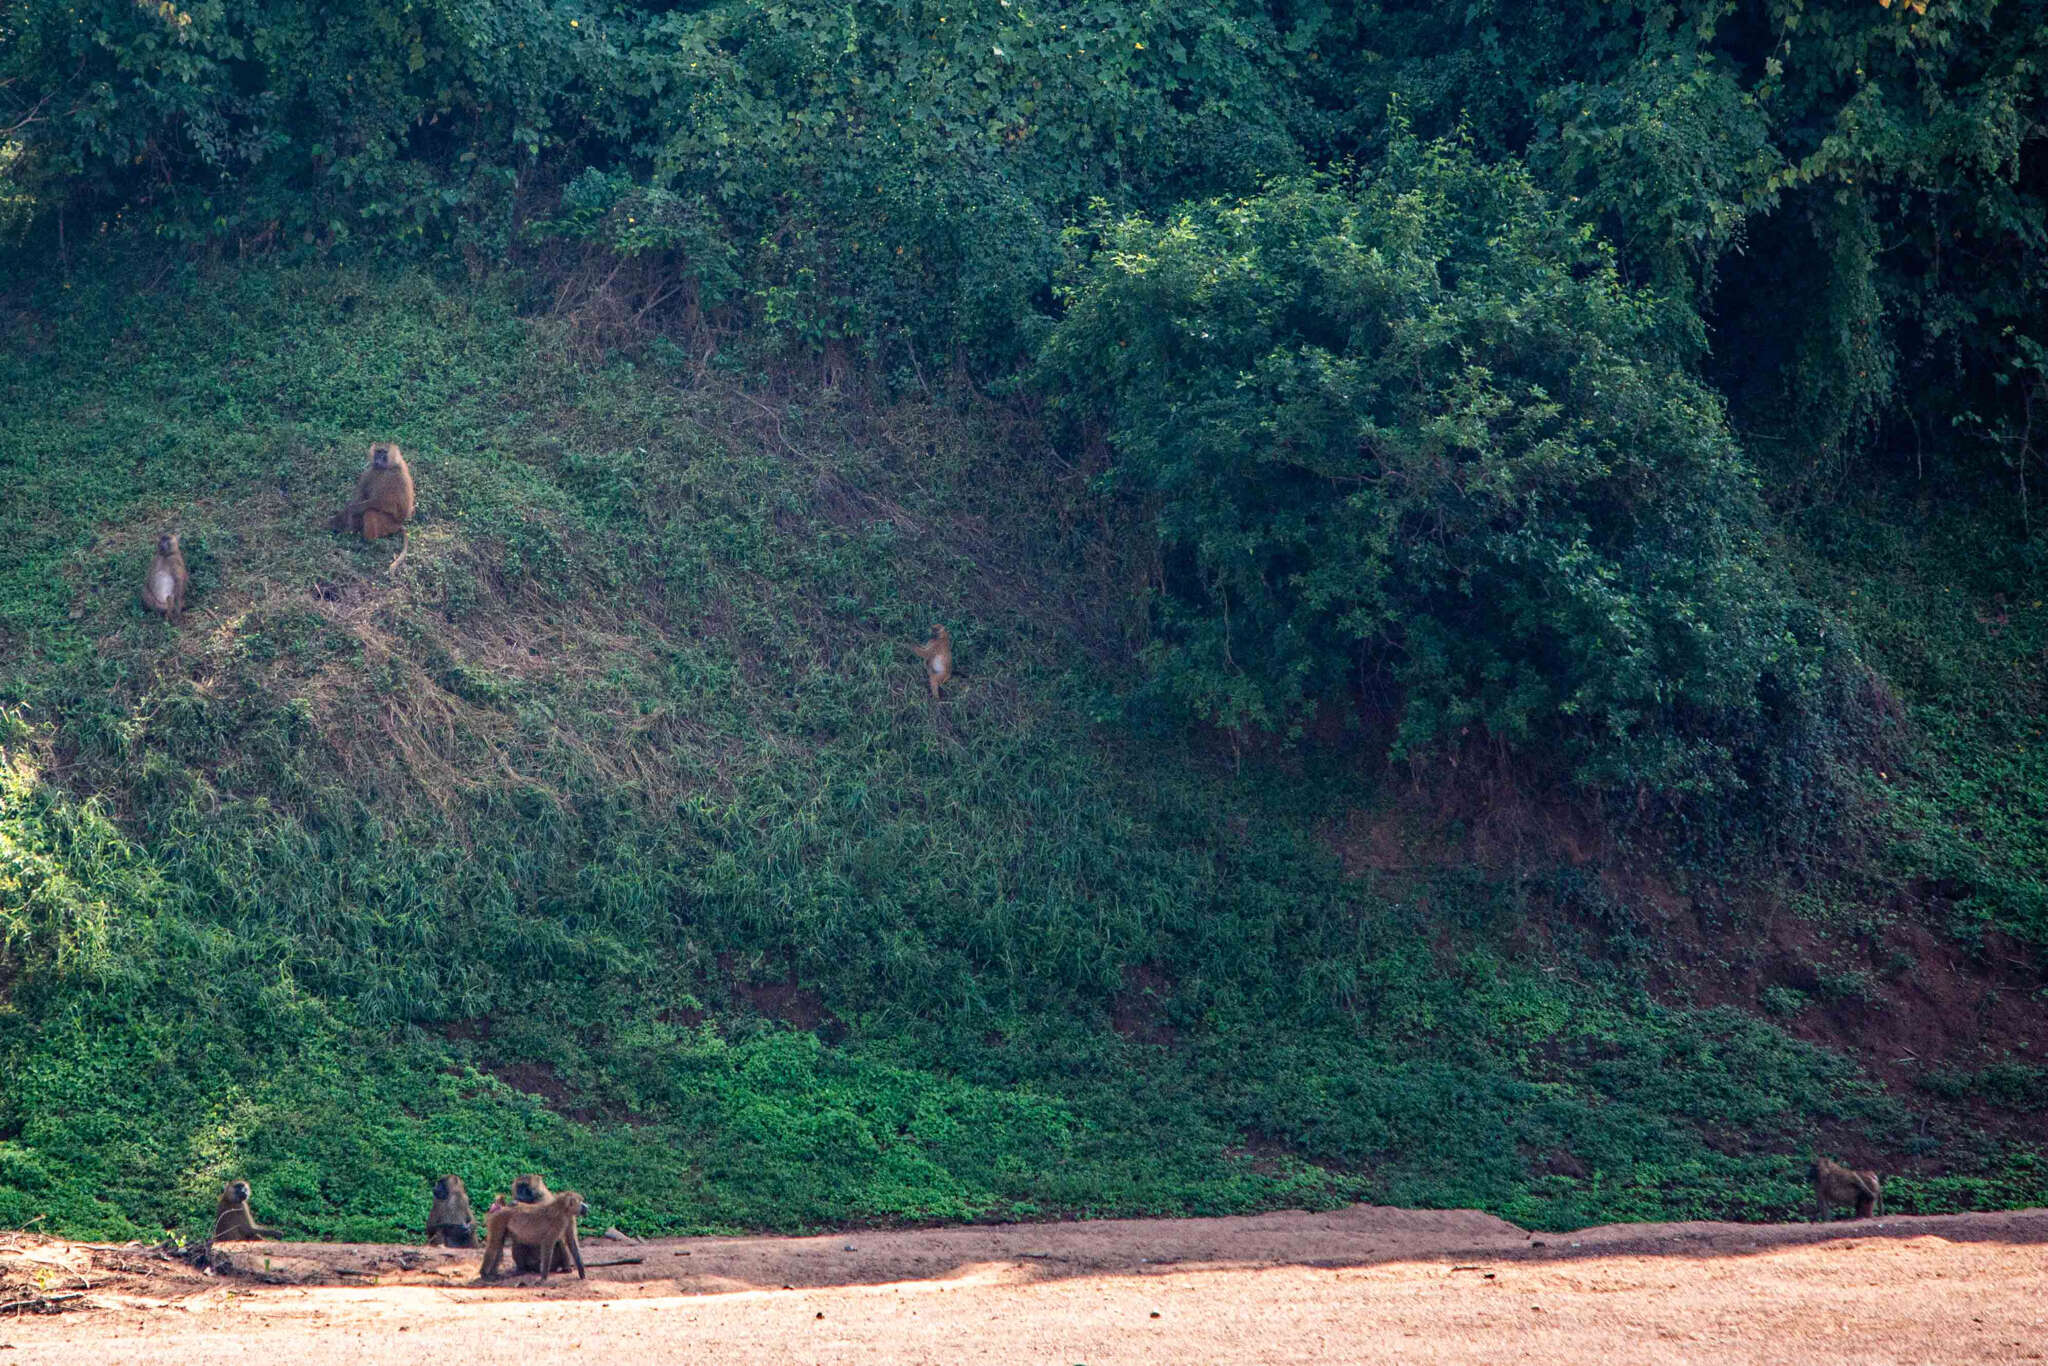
column 41, row 1302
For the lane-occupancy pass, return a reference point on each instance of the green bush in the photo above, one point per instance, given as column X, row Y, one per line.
column 1418, row 429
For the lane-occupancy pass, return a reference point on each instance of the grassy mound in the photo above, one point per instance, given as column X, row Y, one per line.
column 614, row 835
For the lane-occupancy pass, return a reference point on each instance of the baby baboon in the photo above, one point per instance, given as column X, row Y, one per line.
column 1838, row 1185
column 450, row 1222
column 233, row 1219
column 542, row 1226
column 163, row 587
column 384, row 500
column 937, row 654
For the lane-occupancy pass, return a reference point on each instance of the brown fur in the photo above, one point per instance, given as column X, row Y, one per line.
column 542, row 1226
column 450, row 1223
column 937, row 654
column 531, row 1190
column 1834, row 1184
column 233, row 1219
column 383, row 501
column 163, row 587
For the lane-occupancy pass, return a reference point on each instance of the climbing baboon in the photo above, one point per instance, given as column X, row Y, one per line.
column 450, row 1222
column 163, row 587
column 383, row 501
column 233, row 1219
column 541, row 1226
column 1834, row 1184
column 937, row 654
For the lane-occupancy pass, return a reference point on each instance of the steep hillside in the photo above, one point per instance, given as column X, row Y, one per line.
column 613, row 833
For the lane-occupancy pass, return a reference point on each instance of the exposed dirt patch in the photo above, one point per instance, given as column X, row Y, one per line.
column 471, row 1030
column 1472, row 811
column 1903, row 1001
column 1355, row 1284
column 540, row 1079
column 787, row 1000
column 344, row 597
column 1892, row 993
column 1137, row 1011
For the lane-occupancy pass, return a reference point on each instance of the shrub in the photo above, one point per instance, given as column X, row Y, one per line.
column 1418, row 429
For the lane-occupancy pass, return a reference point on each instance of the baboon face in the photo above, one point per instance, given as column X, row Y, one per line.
column 529, row 1190
column 441, row 1189
column 237, row 1192
column 381, row 453
column 167, row 544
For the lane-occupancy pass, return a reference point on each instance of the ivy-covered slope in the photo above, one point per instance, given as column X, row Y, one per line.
column 615, row 836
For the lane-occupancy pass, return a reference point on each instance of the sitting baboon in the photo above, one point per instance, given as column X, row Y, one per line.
column 383, row 501
column 542, row 1226
column 1834, row 1184
column 450, row 1222
column 163, row 587
column 234, row 1220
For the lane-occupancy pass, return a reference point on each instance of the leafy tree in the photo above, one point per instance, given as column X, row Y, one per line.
column 1419, row 428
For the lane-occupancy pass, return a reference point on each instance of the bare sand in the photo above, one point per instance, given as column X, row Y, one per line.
column 1358, row 1285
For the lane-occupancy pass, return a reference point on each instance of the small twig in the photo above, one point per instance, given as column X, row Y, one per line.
column 622, row 1261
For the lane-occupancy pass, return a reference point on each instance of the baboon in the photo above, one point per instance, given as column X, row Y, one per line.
column 1838, row 1185
column 544, row 1225
column 163, row 587
column 937, row 654
column 383, row 502
column 531, row 1190
column 450, row 1222
column 234, row 1220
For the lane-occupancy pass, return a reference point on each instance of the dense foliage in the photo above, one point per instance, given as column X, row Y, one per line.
column 1421, row 429
column 1882, row 163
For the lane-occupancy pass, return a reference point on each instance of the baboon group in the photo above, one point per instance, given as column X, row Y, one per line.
column 381, row 506
column 539, row 1225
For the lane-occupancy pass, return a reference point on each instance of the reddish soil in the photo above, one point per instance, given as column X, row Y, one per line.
column 1357, row 1284
column 1883, row 986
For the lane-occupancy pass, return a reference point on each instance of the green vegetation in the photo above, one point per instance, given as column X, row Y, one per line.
column 1499, row 608
column 1425, row 431
column 628, row 751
